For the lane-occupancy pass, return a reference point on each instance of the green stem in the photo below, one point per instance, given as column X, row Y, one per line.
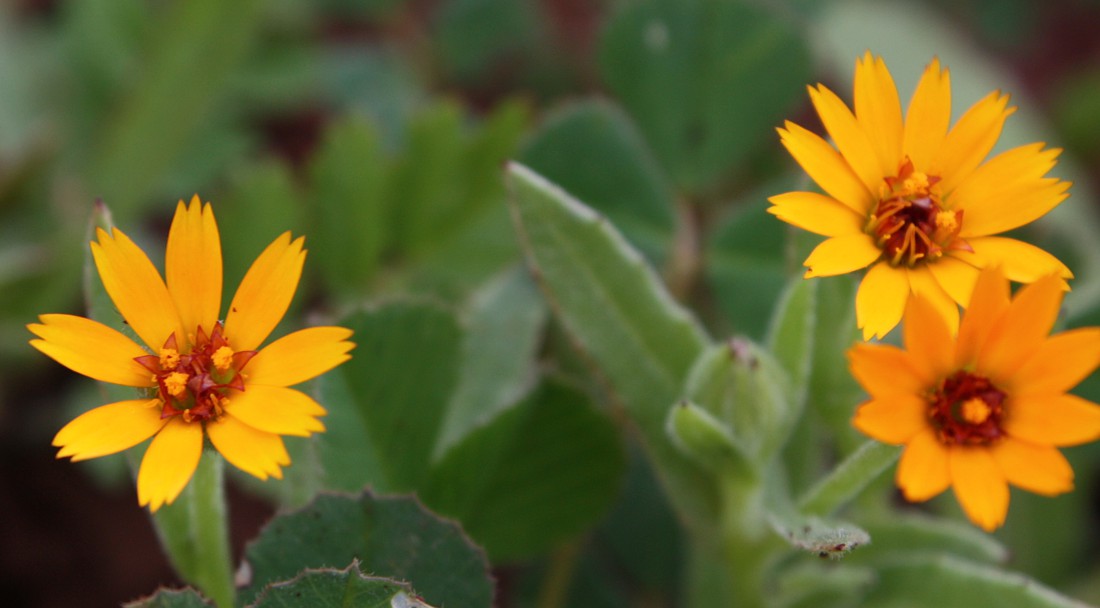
column 195, row 534
column 849, row 478
column 559, row 576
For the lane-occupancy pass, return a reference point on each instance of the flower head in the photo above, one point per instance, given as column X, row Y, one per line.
column 987, row 408
column 202, row 376
column 913, row 200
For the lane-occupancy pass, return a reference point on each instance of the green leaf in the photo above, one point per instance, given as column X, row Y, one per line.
column 848, row 478
column 348, row 175
column 617, row 311
column 400, row 384
column 499, row 346
column 537, row 474
column 833, row 392
column 708, row 441
column 900, row 534
column 348, row 588
column 706, row 80
column 593, row 151
column 172, row 598
column 790, row 336
column 817, row 585
column 815, row 535
column 390, row 536
column 475, row 36
column 959, row 584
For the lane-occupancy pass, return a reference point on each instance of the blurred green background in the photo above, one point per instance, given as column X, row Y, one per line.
column 379, row 130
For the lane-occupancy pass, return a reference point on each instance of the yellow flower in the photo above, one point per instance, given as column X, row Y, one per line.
column 912, row 199
column 987, row 408
column 202, row 376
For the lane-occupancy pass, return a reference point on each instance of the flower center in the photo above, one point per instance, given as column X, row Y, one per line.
column 194, row 385
column 967, row 410
column 909, row 222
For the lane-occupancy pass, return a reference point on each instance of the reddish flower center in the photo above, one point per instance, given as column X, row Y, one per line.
column 194, row 385
column 909, row 222
column 967, row 410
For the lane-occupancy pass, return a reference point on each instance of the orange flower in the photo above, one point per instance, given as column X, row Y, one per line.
column 913, row 200
column 201, row 376
column 987, row 408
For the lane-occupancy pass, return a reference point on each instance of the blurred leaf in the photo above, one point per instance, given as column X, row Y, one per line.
column 593, row 151
column 705, row 79
column 898, row 535
column 823, row 538
column 390, row 536
column 834, row 393
column 476, row 36
column 400, row 383
column 172, row 598
column 848, row 478
column 790, row 336
column 615, row 308
column 348, row 588
column 497, row 362
column 959, row 584
column 349, row 176
column 378, row 83
column 537, row 474
column 708, row 441
column 810, row 585
column 198, row 46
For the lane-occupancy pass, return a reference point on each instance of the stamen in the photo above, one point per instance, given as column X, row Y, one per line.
column 223, row 358
column 169, row 358
column 909, row 223
column 176, row 384
column 975, row 411
column 967, row 409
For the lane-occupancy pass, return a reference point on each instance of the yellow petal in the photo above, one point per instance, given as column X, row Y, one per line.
column 1020, row 261
column 91, row 348
column 1014, row 209
column 299, row 356
column 1058, row 420
column 815, row 212
column 274, row 409
column 1021, row 329
column 1008, row 191
column 193, row 265
column 848, row 136
column 880, row 300
column 923, row 470
column 979, row 486
column 887, row 371
column 253, row 451
column 1060, row 363
column 956, row 277
column 988, row 302
column 841, row 255
column 169, row 463
column 136, row 288
column 1040, row 469
column 895, row 419
column 923, row 283
column 825, row 166
column 265, row 293
column 928, row 116
column 878, row 110
column 971, row 139
column 928, row 339
column 109, row 429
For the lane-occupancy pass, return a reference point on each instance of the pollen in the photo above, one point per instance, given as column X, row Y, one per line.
column 169, row 358
column 176, row 383
column 947, row 220
column 909, row 222
column 223, row 358
column 975, row 411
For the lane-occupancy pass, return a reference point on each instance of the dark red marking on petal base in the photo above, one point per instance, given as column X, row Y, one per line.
column 947, row 413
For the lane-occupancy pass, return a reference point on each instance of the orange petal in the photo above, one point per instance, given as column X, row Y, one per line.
column 815, row 212
column 971, row 139
column 988, row 302
column 1021, row 329
column 1021, row 262
column 300, row 356
column 841, row 255
column 923, row 468
column 169, row 463
column 109, row 429
column 849, row 136
column 979, row 486
column 91, row 348
column 887, row 371
column 928, row 339
column 1059, row 363
column 880, row 300
column 193, row 265
column 878, row 110
column 825, row 166
column 923, row 283
column 1036, row 468
column 253, row 451
column 136, row 288
column 274, row 409
column 1058, row 420
column 895, row 419
column 928, row 116
column 265, row 293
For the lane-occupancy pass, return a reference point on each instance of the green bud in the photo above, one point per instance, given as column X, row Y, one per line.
column 707, row 441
